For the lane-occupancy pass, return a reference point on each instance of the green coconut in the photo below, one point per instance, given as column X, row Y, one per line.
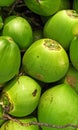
column 73, row 52
column 62, row 27
column 21, row 96
column 20, row 30
column 45, row 60
column 58, row 106
column 46, row 7
column 9, row 53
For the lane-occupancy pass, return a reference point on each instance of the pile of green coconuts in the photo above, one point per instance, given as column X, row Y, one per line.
column 38, row 64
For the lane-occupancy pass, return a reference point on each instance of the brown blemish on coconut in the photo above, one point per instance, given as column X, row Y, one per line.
column 6, row 102
column 38, row 1
column 72, row 13
column 39, row 76
column 71, row 80
column 35, row 92
column 10, row 39
column 52, row 44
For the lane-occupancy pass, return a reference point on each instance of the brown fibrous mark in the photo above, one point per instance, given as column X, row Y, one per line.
column 52, row 44
column 6, row 108
column 72, row 13
column 7, row 105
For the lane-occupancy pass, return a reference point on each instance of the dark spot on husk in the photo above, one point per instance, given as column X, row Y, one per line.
column 35, row 92
column 51, row 100
column 37, row 56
